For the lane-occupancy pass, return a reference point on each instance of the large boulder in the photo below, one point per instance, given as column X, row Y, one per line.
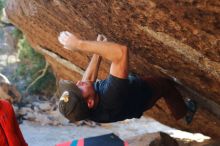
column 152, row 139
column 163, row 139
column 177, row 39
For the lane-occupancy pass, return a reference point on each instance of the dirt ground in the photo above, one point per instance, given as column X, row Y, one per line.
column 38, row 135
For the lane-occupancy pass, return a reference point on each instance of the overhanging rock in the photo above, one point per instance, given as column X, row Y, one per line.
column 177, row 39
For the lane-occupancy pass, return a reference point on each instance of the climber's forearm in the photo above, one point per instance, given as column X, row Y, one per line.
column 91, row 72
column 108, row 50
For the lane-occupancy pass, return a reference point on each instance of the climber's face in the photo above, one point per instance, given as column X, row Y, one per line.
column 88, row 92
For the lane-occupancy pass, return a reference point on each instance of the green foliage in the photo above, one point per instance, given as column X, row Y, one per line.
column 30, row 67
column 30, row 59
column 45, row 85
column 16, row 33
column 2, row 5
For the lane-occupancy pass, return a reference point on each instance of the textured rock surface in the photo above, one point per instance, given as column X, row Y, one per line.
column 163, row 139
column 154, row 139
column 179, row 39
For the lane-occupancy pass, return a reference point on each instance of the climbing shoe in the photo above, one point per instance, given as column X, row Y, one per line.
column 191, row 110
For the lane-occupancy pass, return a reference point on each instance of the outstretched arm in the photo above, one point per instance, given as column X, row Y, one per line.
column 116, row 53
column 91, row 72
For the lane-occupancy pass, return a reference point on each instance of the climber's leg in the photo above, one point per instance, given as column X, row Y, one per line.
column 162, row 87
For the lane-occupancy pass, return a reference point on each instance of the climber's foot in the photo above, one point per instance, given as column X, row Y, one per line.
column 191, row 110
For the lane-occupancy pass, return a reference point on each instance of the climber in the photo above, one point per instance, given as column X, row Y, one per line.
column 10, row 133
column 121, row 95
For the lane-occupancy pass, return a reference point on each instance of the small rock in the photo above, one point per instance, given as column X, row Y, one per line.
column 25, row 110
column 45, row 106
column 30, row 116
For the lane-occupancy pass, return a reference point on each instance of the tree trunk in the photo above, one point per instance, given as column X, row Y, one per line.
column 178, row 39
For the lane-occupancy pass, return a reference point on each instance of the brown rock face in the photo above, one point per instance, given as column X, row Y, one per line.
column 179, row 39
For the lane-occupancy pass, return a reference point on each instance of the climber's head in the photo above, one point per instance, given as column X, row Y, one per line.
column 76, row 99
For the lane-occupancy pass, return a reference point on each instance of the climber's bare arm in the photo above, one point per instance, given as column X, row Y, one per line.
column 116, row 53
column 91, row 72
